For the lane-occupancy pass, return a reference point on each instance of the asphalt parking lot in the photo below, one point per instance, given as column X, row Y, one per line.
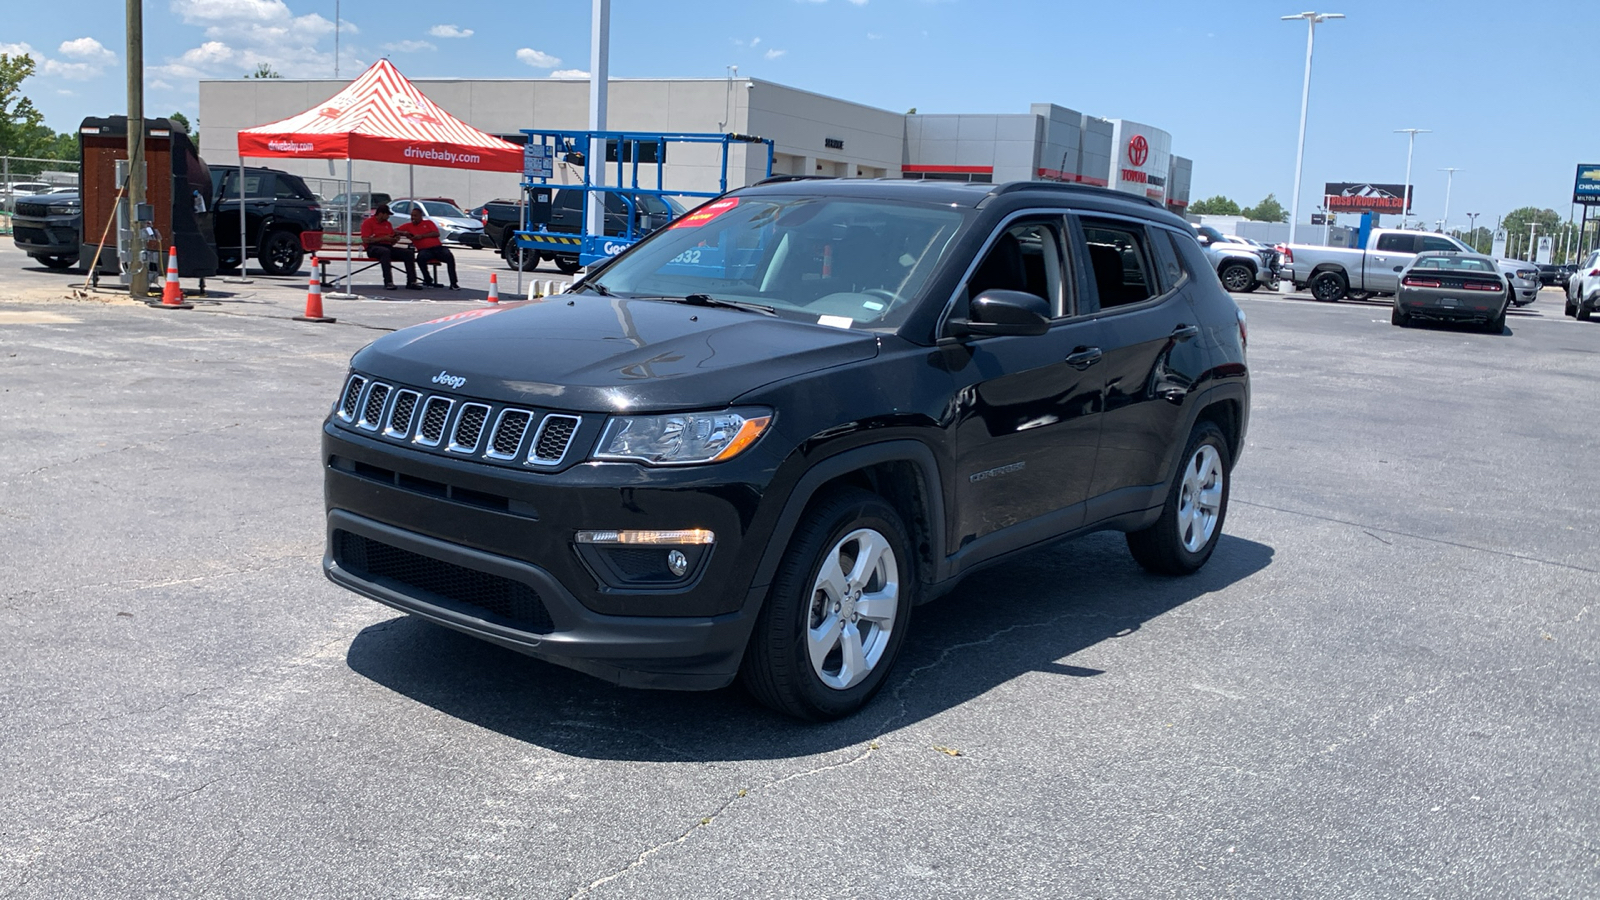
column 1383, row 684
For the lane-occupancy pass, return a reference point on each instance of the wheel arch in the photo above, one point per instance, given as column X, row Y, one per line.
column 904, row 472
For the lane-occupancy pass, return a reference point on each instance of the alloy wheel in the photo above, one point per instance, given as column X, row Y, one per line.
column 1200, row 498
column 854, row 599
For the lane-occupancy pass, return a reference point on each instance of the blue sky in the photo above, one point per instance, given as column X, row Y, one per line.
column 1500, row 84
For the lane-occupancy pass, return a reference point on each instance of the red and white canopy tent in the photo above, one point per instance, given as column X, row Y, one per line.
column 380, row 117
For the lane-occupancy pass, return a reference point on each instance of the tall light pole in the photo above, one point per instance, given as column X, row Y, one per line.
column 1472, row 230
column 1312, row 19
column 1411, row 144
column 1448, row 180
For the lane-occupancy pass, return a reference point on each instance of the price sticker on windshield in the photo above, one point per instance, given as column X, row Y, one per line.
column 706, row 213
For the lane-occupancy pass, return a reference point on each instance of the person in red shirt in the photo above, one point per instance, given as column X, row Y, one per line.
column 425, row 237
column 379, row 237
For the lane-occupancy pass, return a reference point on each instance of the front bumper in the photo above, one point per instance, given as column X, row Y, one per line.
column 1525, row 295
column 56, row 236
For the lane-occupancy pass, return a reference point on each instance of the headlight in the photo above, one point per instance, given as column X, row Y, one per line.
column 66, row 210
column 683, row 438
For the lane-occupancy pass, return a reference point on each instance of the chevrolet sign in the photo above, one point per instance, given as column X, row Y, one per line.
column 1586, row 187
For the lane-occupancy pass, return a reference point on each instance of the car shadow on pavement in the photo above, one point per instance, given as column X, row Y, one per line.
column 1032, row 615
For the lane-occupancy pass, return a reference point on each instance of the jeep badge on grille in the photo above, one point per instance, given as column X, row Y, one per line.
column 448, row 380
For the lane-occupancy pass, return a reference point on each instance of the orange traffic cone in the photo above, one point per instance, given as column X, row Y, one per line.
column 494, row 288
column 171, row 293
column 314, row 298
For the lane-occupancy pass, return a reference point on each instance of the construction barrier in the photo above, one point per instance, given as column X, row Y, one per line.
column 314, row 298
column 171, row 291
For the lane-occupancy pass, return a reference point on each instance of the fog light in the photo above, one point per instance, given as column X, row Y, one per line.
column 677, row 562
column 683, row 536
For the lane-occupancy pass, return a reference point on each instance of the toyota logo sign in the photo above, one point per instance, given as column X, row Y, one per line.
column 1138, row 150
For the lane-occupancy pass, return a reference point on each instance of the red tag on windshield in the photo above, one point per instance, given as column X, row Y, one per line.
column 706, row 213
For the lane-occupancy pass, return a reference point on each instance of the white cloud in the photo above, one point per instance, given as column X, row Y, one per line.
column 774, row 54
column 253, row 32
column 409, row 46
column 160, row 85
column 206, row 54
column 569, row 73
column 859, row 2
column 93, row 58
column 874, row 37
column 538, row 59
column 450, row 31
column 87, row 49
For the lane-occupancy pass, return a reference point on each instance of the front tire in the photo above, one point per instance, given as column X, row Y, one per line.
column 568, row 264
column 1329, row 287
column 1237, row 278
column 1583, row 312
column 1181, row 541
column 281, row 253
column 530, row 257
column 837, row 613
column 63, row 261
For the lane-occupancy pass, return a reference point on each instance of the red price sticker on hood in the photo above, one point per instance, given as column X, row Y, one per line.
column 706, row 213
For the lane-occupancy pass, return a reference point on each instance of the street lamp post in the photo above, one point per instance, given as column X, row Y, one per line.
column 1411, row 144
column 1312, row 19
column 1472, row 230
column 1449, row 179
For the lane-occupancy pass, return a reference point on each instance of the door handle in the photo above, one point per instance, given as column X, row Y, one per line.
column 1184, row 332
column 1084, row 357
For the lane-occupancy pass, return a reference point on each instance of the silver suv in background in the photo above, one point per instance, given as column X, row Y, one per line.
column 1241, row 266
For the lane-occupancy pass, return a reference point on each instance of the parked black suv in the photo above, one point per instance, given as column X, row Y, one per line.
column 565, row 212
column 751, row 443
column 46, row 227
column 278, row 207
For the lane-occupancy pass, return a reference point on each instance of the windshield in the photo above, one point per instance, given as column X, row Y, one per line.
column 436, row 208
column 836, row 261
column 1453, row 264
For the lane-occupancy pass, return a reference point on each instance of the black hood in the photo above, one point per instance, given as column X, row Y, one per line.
column 592, row 354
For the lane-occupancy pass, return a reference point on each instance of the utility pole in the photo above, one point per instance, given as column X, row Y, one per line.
column 1312, row 20
column 138, row 272
column 1472, row 230
column 1450, row 178
column 1532, row 227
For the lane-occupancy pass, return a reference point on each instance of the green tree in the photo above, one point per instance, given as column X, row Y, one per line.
column 265, row 70
column 1214, row 206
column 1268, row 210
column 181, row 119
column 20, row 122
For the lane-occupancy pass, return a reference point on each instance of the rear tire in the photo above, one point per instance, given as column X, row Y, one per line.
column 567, row 264
column 1181, row 541
column 837, row 613
column 1396, row 317
column 281, row 253
column 1497, row 324
column 1329, row 287
column 530, row 257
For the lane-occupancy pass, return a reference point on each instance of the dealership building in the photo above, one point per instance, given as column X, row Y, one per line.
column 813, row 135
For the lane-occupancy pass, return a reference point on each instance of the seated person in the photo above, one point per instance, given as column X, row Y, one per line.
column 425, row 237
column 379, row 238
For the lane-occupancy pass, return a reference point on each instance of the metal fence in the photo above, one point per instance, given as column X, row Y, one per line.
column 24, row 176
column 331, row 193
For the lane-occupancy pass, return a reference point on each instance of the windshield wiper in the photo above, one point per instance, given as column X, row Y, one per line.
column 708, row 300
column 596, row 286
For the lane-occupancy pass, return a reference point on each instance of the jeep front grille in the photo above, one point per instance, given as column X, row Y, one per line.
column 469, row 427
column 508, row 433
column 405, row 405
column 372, row 411
column 434, row 416
column 555, row 434
column 352, row 396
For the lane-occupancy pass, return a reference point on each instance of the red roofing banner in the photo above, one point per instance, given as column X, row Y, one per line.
column 384, row 118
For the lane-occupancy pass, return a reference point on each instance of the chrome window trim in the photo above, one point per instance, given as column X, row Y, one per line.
column 366, row 424
column 394, row 403
column 533, row 445
column 489, row 450
column 449, row 409
column 456, row 447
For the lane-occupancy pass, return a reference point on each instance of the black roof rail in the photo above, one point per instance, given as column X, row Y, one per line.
column 780, row 179
column 1014, row 186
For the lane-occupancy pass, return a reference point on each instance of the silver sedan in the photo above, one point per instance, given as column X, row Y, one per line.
column 1453, row 287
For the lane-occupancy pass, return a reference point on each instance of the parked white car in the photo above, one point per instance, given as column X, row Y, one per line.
column 1583, row 288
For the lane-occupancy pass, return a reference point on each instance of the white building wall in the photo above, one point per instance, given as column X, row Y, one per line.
column 1147, row 177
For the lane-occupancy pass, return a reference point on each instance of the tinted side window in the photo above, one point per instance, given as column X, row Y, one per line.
column 1432, row 244
column 1398, row 243
column 1120, row 261
column 1026, row 257
column 1167, row 258
column 290, row 189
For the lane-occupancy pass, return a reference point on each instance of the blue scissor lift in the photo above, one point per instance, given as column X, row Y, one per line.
column 632, row 149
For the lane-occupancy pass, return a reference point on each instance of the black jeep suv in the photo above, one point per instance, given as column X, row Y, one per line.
column 749, row 445
column 278, row 207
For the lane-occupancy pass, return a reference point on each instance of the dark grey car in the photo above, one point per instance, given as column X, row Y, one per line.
column 1453, row 287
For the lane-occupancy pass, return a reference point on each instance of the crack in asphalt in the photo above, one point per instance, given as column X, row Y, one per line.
column 132, row 712
column 1420, row 537
column 159, row 800
column 142, row 446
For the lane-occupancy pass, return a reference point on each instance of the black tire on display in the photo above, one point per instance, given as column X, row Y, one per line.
column 1329, row 287
column 1396, row 317
column 837, row 614
column 1237, row 278
column 530, row 257
column 1497, row 324
column 281, row 253
column 567, row 264
column 1181, row 541
column 1571, row 309
column 64, row 261
column 1583, row 312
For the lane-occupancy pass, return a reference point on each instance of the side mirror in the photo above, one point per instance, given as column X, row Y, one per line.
column 1006, row 312
column 1204, row 241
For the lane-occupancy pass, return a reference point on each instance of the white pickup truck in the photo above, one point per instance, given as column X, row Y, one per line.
column 1332, row 273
